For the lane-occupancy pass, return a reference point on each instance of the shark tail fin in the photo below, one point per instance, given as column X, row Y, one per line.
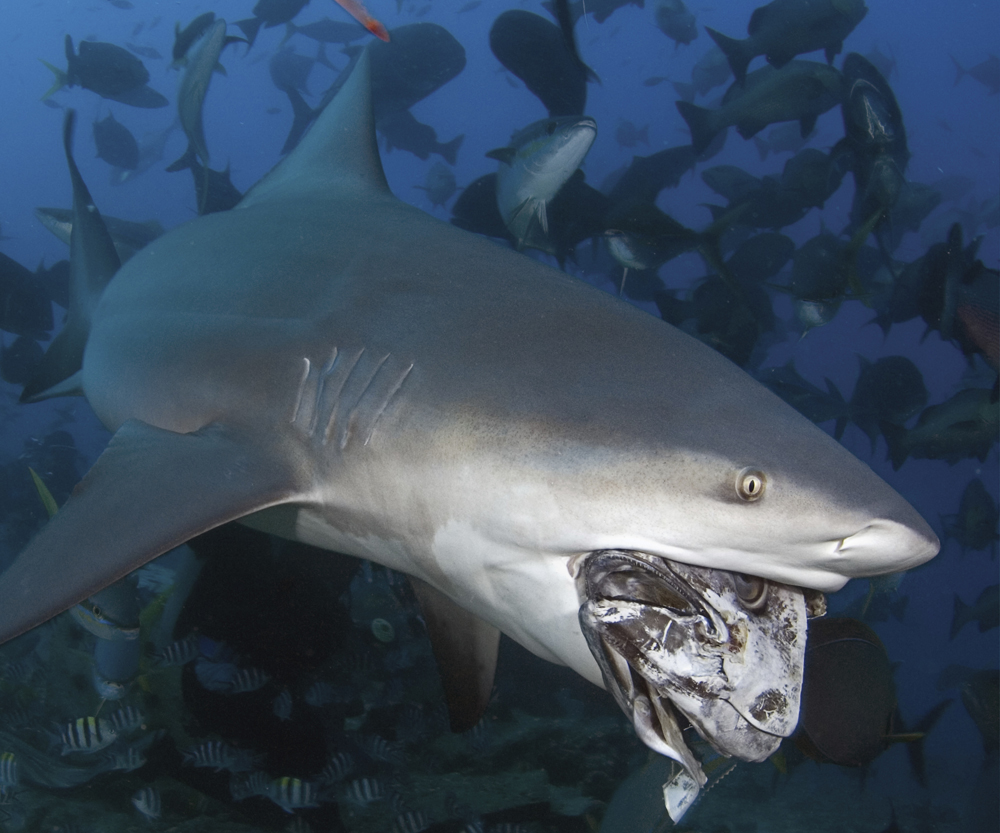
column 62, row 80
column 93, row 262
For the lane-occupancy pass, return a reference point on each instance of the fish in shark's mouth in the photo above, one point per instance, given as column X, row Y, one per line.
column 724, row 650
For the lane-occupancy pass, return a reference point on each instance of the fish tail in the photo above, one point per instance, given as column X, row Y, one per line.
column 895, row 438
column 735, row 52
column 960, row 618
column 701, row 123
column 960, row 72
column 62, row 80
column 188, row 160
column 250, row 27
column 449, row 150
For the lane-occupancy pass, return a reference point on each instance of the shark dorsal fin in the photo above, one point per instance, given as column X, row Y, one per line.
column 338, row 155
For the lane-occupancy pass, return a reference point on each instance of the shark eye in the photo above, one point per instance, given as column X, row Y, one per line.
column 751, row 591
column 750, row 484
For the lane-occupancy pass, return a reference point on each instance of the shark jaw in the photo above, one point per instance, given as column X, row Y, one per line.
column 723, row 650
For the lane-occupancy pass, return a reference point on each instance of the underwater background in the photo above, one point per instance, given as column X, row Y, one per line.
column 337, row 686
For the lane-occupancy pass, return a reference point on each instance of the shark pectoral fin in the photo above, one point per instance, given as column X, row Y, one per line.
column 150, row 491
column 465, row 648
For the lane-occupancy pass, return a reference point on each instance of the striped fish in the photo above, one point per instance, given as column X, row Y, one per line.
column 88, row 734
column 147, row 802
column 319, row 694
column 127, row 719
column 293, row 794
column 340, row 765
column 244, row 786
column 178, row 653
column 364, row 791
column 411, row 822
column 248, row 679
column 379, row 749
column 8, row 770
column 219, row 755
column 129, row 760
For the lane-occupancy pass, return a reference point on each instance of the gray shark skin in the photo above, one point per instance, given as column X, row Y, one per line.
column 330, row 364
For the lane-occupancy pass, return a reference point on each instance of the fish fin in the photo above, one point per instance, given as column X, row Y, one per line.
column 49, row 502
column 699, row 121
column 895, row 438
column 221, row 70
column 959, row 70
column 763, row 148
column 960, row 617
column 839, row 426
column 339, row 154
column 833, row 51
column 93, row 262
column 449, row 150
column 302, row 117
column 62, row 79
column 150, row 491
column 465, row 648
column 250, row 27
column 807, row 124
column 734, row 50
column 290, row 29
column 505, row 155
column 684, row 90
column 187, row 160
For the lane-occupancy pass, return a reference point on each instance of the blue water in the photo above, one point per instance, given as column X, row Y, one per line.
column 952, row 130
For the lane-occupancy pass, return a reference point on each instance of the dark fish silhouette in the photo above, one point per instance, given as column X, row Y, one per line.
column 985, row 612
column 535, row 50
column 108, row 70
column 676, row 22
column 269, row 13
column 401, row 130
column 799, row 91
column 115, row 143
column 986, row 72
column 25, row 309
column 974, row 526
column 786, row 28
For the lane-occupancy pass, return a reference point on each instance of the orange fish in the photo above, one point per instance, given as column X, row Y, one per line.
column 360, row 14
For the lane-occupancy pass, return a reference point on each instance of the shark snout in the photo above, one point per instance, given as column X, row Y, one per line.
column 886, row 546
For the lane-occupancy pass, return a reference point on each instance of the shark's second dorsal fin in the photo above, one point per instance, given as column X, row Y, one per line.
column 465, row 648
column 338, row 155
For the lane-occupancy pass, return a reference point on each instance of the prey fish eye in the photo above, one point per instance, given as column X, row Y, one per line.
column 750, row 484
column 752, row 591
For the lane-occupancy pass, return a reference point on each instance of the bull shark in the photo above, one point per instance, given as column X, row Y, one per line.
column 329, row 364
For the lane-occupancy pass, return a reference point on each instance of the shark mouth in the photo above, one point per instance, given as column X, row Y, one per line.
column 721, row 649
